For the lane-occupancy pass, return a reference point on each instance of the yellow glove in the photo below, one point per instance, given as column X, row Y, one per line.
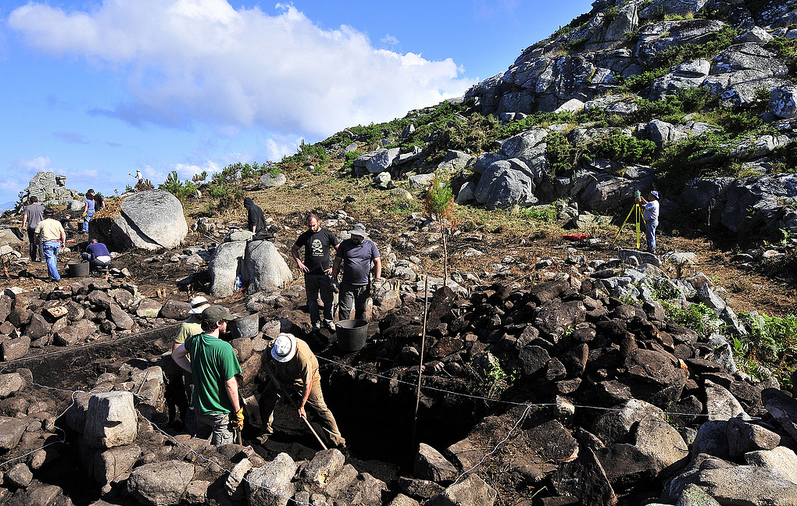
column 84, row 215
column 237, row 419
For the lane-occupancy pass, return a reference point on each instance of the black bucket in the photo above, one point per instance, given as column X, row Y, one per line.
column 78, row 269
column 247, row 326
column 352, row 334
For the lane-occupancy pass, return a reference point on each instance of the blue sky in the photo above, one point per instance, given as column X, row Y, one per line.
column 95, row 90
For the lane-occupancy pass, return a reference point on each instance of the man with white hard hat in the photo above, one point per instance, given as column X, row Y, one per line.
column 296, row 372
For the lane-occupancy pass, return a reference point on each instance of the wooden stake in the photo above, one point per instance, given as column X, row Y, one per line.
column 423, row 344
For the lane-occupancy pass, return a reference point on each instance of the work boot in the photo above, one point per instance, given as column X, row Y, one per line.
column 316, row 327
column 330, row 325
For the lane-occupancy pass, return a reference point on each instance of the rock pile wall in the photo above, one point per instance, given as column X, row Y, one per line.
column 613, row 403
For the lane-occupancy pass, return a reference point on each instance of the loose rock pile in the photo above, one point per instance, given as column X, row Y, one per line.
column 611, row 403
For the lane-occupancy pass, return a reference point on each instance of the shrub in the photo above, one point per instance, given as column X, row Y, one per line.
column 545, row 214
column 439, row 199
column 702, row 155
column 787, row 154
column 687, row 52
column 786, row 49
column 249, row 171
column 173, row 185
column 770, row 341
column 698, row 317
column 348, row 160
column 560, row 153
column 676, row 55
column 622, row 148
column 611, row 14
column 678, row 105
column 740, row 122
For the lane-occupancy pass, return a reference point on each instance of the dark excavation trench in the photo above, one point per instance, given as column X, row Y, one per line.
column 379, row 424
column 375, row 415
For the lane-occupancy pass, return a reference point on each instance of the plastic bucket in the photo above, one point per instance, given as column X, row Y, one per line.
column 352, row 334
column 247, row 326
column 78, row 269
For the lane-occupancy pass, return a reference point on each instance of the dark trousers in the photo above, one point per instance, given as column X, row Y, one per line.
column 34, row 248
column 353, row 295
column 315, row 285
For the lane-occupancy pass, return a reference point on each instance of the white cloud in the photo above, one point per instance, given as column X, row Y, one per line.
column 202, row 60
column 187, row 171
column 38, row 164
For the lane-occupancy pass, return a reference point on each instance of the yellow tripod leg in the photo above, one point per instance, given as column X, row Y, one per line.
column 637, row 225
column 623, row 225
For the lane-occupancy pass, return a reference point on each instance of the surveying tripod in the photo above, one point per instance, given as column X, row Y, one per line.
column 639, row 217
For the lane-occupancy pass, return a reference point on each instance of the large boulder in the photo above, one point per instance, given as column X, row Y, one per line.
column 160, row 483
column 471, row 491
column 224, row 267
column 783, row 101
column 271, row 484
column 150, row 220
column 50, row 189
column 264, row 267
column 111, row 420
column 506, row 183
column 11, row 430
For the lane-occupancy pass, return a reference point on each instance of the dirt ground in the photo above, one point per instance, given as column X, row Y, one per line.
column 498, row 235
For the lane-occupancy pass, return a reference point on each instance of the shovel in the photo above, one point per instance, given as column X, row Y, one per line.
column 293, row 403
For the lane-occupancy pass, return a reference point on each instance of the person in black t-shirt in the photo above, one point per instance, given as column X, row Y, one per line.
column 316, row 268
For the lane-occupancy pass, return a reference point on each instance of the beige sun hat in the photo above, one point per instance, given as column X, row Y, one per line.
column 284, row 347
column 198, row 304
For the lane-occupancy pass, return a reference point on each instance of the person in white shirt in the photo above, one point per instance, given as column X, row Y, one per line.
column 651, row 215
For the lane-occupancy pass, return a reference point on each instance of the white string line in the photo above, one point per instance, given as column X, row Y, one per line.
column 70, row 349
column 436, row 389
column 73, row 396
column 495, row 449
column 76, row 393
column 500, row 401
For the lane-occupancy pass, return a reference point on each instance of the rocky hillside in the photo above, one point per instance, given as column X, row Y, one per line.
column 696, row 99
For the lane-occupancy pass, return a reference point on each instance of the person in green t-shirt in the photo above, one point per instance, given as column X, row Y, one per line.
column 213, row 365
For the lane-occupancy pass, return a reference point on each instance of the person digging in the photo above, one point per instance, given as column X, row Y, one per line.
column 293, row 372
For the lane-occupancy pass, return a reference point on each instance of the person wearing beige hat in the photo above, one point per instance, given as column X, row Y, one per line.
column 356, row 255
column 296, row 371
column 180, row 384
column 217, row 406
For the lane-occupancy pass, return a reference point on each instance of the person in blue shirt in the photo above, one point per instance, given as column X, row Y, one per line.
column 97, row 253
column 88, row 210
column 651, row 215
column 356, row 255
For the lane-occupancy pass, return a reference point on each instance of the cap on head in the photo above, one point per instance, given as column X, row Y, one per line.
column 48, row 212
column 216, row 313
column 284, row 347
column 358, row 229
column 655, row 193
column 199, row 304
